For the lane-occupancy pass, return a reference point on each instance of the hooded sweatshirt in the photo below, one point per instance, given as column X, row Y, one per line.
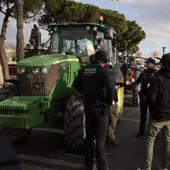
column 159, row 96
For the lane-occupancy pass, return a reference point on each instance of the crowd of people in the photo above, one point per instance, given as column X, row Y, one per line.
column 95, row 82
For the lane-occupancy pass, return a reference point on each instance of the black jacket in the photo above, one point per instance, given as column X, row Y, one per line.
column 96, row 82
column 159, row 97
column 145, row 79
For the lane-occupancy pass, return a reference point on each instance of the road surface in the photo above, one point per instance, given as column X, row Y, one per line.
column 45, row 148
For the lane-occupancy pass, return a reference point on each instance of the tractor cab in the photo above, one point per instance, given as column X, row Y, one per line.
column 80, row 39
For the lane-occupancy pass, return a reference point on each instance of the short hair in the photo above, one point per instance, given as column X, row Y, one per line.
column 35, row 26
column 102, row 55
column 166, row 60
column 100, row 40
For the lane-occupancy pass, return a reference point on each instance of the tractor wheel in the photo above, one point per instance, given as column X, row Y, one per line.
column 135, row 91
column 74, row 123
column 135, row 96
column 17, row 134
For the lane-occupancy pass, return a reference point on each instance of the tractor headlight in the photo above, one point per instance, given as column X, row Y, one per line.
column 36, row 70
column 20, row 70
column 45, row 70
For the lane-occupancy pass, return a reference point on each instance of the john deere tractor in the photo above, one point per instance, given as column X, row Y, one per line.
column 45, row 83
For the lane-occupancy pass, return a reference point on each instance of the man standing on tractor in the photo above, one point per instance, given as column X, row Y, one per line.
column 144, row 79
column 35, row 38
column 96, row 83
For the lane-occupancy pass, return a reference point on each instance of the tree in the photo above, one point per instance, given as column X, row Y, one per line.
column 129, row 33
column 8, row 13
column 60, row 11
column 20, row 26
column 115, row 20
column 8, row 8
column 132, row 37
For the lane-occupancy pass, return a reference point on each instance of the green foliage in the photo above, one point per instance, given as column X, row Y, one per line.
column 132, row 37
column 32, row 8
column 91, row 14
column 115, row 20
column 60, row 11
column 129, row 33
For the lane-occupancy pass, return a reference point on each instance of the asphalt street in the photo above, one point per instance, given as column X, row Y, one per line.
column 44, row 148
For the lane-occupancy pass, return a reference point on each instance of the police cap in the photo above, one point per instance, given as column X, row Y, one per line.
column 150, row 60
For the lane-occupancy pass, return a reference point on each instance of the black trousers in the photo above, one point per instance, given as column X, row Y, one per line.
column 144, row 105
column 96, row 129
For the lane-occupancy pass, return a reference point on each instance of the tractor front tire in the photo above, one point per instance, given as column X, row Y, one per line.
column 17, row 134
column 135, row 97
column 74, row 123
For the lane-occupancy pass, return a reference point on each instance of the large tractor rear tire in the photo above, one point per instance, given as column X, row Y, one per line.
column 74, row 123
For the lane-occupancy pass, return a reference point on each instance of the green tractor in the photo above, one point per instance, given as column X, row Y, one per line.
column 45, row 83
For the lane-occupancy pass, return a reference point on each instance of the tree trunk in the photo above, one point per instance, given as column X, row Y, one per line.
column 3, row 57
column 20, row 34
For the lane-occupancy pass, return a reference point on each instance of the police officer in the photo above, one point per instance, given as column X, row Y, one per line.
column 145, row 79
column 96, row 83
column 159, row 102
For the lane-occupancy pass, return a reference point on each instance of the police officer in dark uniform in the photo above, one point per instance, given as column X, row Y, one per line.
column 95, row 81
column 145, row 79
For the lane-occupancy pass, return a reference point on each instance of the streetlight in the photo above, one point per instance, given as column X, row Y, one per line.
column 163, row 50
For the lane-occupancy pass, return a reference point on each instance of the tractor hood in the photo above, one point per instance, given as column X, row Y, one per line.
column 45, row 60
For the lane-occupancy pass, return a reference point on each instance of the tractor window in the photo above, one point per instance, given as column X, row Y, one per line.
column 81, row 47
column 55, row 44
column 108, row 47
column 73, row 41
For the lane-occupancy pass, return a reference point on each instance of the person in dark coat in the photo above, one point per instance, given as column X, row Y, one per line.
column 159, row 107
column 35, row 38
column 95, row 81
column 144, row 79
column 8, row 158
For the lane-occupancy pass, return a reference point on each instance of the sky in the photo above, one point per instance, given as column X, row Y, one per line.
column 152, row 15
